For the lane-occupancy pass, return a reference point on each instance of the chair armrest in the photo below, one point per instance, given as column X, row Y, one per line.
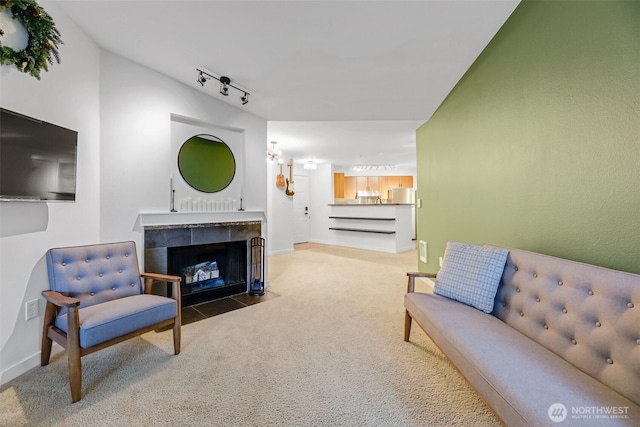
column 174, row 280
column 412, row 279
column 421, row 274
column 60, row 300
column 73, row 319
column 162, row 277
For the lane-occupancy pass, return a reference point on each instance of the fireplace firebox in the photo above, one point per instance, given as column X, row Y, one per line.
column 209, row 271
column 211, row 257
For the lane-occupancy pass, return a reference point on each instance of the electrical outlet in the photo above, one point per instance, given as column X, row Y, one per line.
column 31, row 309
column 423, row 251
column 440, row 261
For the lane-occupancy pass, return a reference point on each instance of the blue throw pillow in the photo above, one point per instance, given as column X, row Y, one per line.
column 471, row 274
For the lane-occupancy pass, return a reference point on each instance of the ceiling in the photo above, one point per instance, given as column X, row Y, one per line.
column 384, row 66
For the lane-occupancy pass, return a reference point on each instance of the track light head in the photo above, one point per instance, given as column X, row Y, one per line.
column 202, row 79
column 244, row 98
column 224, row 85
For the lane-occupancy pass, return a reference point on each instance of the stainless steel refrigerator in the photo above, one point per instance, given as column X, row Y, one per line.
column 408, row 196
column 402, row 195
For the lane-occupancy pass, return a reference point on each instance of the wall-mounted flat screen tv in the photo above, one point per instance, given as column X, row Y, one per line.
column 37, row 159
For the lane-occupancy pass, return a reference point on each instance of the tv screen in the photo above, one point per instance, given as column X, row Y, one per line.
column 37, row 159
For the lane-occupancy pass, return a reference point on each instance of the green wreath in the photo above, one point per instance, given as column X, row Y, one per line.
column 44, row 38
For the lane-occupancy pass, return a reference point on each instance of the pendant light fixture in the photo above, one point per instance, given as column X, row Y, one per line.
column 273, row 155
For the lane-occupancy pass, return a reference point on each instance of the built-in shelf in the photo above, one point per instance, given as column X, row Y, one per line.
column 379, row 227
column 362, row 218
column 360, row 230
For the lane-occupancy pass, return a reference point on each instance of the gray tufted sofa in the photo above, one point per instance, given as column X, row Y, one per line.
column 561, row 347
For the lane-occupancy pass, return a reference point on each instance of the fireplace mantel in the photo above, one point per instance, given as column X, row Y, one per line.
column 158, row 219
column 163, row 233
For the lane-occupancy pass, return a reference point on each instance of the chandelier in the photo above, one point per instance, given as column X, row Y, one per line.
column 273, row 155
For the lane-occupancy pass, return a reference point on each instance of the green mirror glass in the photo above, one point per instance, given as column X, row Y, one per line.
column 206, row 163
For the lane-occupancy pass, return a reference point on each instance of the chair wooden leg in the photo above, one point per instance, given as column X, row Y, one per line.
column 176, row 336
column 407, row 325
column 75, row 373
column 177, row 322
column 45, row 349
column 74, row 354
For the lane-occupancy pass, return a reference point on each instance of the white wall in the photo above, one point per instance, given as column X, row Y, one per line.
column 321, row 187
column 137, row 155
column 66, row 95
column 122, row 112
column 281, row 230
column 281, row 219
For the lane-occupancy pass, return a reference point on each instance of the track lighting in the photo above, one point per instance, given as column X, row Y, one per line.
column 202, row 79
column 362, row 168
column 225, row 84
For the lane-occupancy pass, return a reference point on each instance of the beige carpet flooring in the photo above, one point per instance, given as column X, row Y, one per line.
column 328, row 351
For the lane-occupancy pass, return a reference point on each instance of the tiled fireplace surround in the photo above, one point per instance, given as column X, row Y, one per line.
column 158, row 238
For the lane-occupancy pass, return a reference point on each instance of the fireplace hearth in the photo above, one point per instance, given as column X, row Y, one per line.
column 212, row 258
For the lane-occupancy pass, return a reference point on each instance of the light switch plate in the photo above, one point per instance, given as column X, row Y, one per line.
column 31, row 309
column 423, row 251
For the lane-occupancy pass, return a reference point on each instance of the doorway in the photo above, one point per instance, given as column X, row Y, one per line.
column 301, row 214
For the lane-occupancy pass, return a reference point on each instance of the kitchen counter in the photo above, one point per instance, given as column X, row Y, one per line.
column 370, row 204
column 385, row 227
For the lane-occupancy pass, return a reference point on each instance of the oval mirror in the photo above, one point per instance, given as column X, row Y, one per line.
column 206, row 163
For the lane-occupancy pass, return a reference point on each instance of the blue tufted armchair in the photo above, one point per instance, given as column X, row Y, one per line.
column 96, row 299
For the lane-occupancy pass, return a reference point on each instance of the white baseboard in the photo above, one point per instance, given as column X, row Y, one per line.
column 411, row 247
column 323, row 242
column 428, row 281
column 26, row 365
column 281, row 252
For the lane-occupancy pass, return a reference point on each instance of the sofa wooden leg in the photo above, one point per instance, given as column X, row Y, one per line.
column 407, row 325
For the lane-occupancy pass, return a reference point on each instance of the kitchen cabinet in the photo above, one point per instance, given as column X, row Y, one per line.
column 350, row 187
column 383, row 187
column 393, row 181
column 346, row 187
column 372, row 183
column 338, row 185
column 406, row 181
column 361, row 183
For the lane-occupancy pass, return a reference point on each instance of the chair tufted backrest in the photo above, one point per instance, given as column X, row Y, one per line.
column 588, row 315
column 95, row 273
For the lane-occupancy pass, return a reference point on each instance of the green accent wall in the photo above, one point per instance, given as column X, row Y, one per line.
column 538, row 145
